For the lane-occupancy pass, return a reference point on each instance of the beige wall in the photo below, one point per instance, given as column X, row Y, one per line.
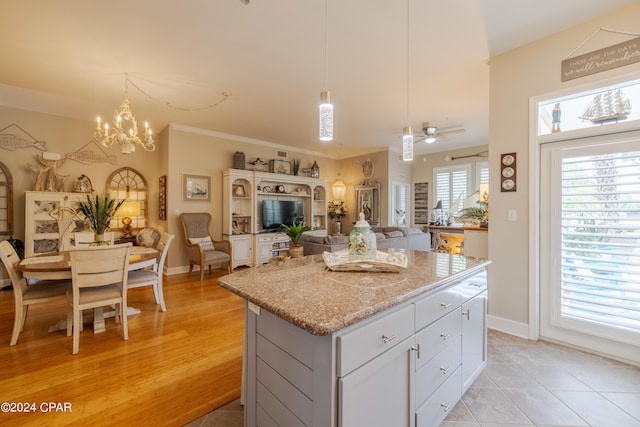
column 200, row 152
column 515, row 77
column 63, row 135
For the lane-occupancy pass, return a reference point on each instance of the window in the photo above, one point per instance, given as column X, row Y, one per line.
column 602, row 106
column 127, row 183
column 6, row 201
column 452, row 186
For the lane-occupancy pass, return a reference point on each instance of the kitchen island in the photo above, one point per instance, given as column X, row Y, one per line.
column 325, row 348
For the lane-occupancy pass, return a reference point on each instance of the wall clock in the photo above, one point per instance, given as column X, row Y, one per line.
column 508, row 172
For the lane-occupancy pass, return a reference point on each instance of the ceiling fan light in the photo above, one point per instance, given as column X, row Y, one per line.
column 430, row 139
column 326, row 117
column 407, row 144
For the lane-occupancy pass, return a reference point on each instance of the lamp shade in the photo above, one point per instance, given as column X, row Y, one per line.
column 484, row 192
column 438, row 205
column 339, row 189
column 129, row 209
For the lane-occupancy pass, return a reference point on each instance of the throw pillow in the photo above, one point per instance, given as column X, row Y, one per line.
column 204, row 242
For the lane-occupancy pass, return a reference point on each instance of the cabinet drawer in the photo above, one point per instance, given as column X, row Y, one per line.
column 437, row 371
column 438, row 406
column 473, row 286
column 435, row 306
column 363, row 344
column 433, row 339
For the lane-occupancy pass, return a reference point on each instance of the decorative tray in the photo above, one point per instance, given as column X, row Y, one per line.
column 384, row 262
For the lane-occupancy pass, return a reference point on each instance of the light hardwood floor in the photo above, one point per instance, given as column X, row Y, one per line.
column 175, row 367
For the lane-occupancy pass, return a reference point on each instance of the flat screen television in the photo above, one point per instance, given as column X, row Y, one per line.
column 277, row 212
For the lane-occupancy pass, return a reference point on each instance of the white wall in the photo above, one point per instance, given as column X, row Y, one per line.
column 515, row 77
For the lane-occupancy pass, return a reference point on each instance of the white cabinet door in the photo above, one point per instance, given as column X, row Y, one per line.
column 474, row 339
column 241, row 250
column 380, row 393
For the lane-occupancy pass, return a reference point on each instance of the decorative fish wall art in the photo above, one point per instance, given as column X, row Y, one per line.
column 87, row 156
column 12, row 142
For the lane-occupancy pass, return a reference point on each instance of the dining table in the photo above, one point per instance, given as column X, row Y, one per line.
column 57, row 266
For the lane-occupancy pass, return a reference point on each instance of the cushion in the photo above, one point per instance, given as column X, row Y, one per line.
column 392, row 234
column 148, row 237
column 313, row 239
column 337, row 240
column 204, row 242
column 380, row 236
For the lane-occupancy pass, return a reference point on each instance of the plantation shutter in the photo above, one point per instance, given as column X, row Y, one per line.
column 451, row 183
column 599, row 224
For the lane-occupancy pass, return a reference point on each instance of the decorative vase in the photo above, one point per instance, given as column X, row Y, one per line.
column 337, row 228
column 362, row 241
column 296, row 251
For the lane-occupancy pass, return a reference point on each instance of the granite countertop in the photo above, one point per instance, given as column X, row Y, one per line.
column 305, row 293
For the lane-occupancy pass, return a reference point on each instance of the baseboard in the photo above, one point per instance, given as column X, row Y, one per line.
column 507, row 326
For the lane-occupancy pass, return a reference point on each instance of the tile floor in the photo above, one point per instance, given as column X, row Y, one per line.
column 527, row 384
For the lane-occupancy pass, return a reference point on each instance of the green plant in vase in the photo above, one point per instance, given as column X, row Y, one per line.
column 98, row 211
column 294, row 232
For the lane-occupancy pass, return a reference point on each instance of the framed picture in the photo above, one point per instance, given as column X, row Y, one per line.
column 196, row 188
column 238, row 190
column 281, row 166
column 162, row 198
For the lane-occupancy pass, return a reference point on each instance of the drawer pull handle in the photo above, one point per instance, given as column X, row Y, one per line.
column 445, row 336
column 417, row 350
column 443, row 305
column 444, row 370
column 477, row 285
column 445, row 407
column 468, row 314
column 387, row 338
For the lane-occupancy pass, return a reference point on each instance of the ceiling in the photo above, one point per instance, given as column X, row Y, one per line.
column 70, row 58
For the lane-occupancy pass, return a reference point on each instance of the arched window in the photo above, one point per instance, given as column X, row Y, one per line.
column 6, row 201
column 127, row 183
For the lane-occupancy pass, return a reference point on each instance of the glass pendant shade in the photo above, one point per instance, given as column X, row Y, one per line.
column 326, row 117
column 407, row 144
column 339, row 189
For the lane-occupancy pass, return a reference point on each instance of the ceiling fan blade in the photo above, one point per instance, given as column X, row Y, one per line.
column 451, row 131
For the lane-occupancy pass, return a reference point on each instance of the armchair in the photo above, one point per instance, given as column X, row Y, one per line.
column 202, row 249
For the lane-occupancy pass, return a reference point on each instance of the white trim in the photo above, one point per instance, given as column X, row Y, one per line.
column 508, row 326
column 535, row 142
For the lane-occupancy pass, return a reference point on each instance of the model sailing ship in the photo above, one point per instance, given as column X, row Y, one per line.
column 610, row 106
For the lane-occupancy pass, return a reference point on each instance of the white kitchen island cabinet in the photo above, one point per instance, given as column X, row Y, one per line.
column 345, row 349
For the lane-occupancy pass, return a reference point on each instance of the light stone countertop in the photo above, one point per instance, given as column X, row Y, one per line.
column 304, row 292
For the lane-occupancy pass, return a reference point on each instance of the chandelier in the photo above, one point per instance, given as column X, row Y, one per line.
column 125, row 129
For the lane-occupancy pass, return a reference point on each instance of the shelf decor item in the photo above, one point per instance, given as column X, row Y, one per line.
column 98, row 211
column 337, row 211
column 362, row 241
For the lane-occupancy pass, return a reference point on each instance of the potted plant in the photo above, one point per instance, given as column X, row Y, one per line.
column 98, row 211
column 294, row 232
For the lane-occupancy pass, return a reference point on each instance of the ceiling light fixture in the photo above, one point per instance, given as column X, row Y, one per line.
column 326, row 108
column 430, row 132
column 127, row 138
column 407, row 132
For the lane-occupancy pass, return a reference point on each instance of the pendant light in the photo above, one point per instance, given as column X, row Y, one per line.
column 407, row 132
column 326, row 108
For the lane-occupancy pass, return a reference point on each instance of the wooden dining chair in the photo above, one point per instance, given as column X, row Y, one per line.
column 153, row 277
column 99, row 278
column 24, row 295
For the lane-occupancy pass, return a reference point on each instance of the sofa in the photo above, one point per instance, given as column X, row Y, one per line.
column 317, row 242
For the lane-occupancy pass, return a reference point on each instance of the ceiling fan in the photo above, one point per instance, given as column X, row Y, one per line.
column 430, row 133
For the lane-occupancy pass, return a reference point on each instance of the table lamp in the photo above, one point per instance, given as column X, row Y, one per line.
column 126, row 211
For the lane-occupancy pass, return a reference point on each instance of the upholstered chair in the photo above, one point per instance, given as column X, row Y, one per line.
column 202, row 249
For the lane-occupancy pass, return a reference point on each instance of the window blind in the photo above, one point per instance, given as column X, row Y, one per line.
column 600, row 240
